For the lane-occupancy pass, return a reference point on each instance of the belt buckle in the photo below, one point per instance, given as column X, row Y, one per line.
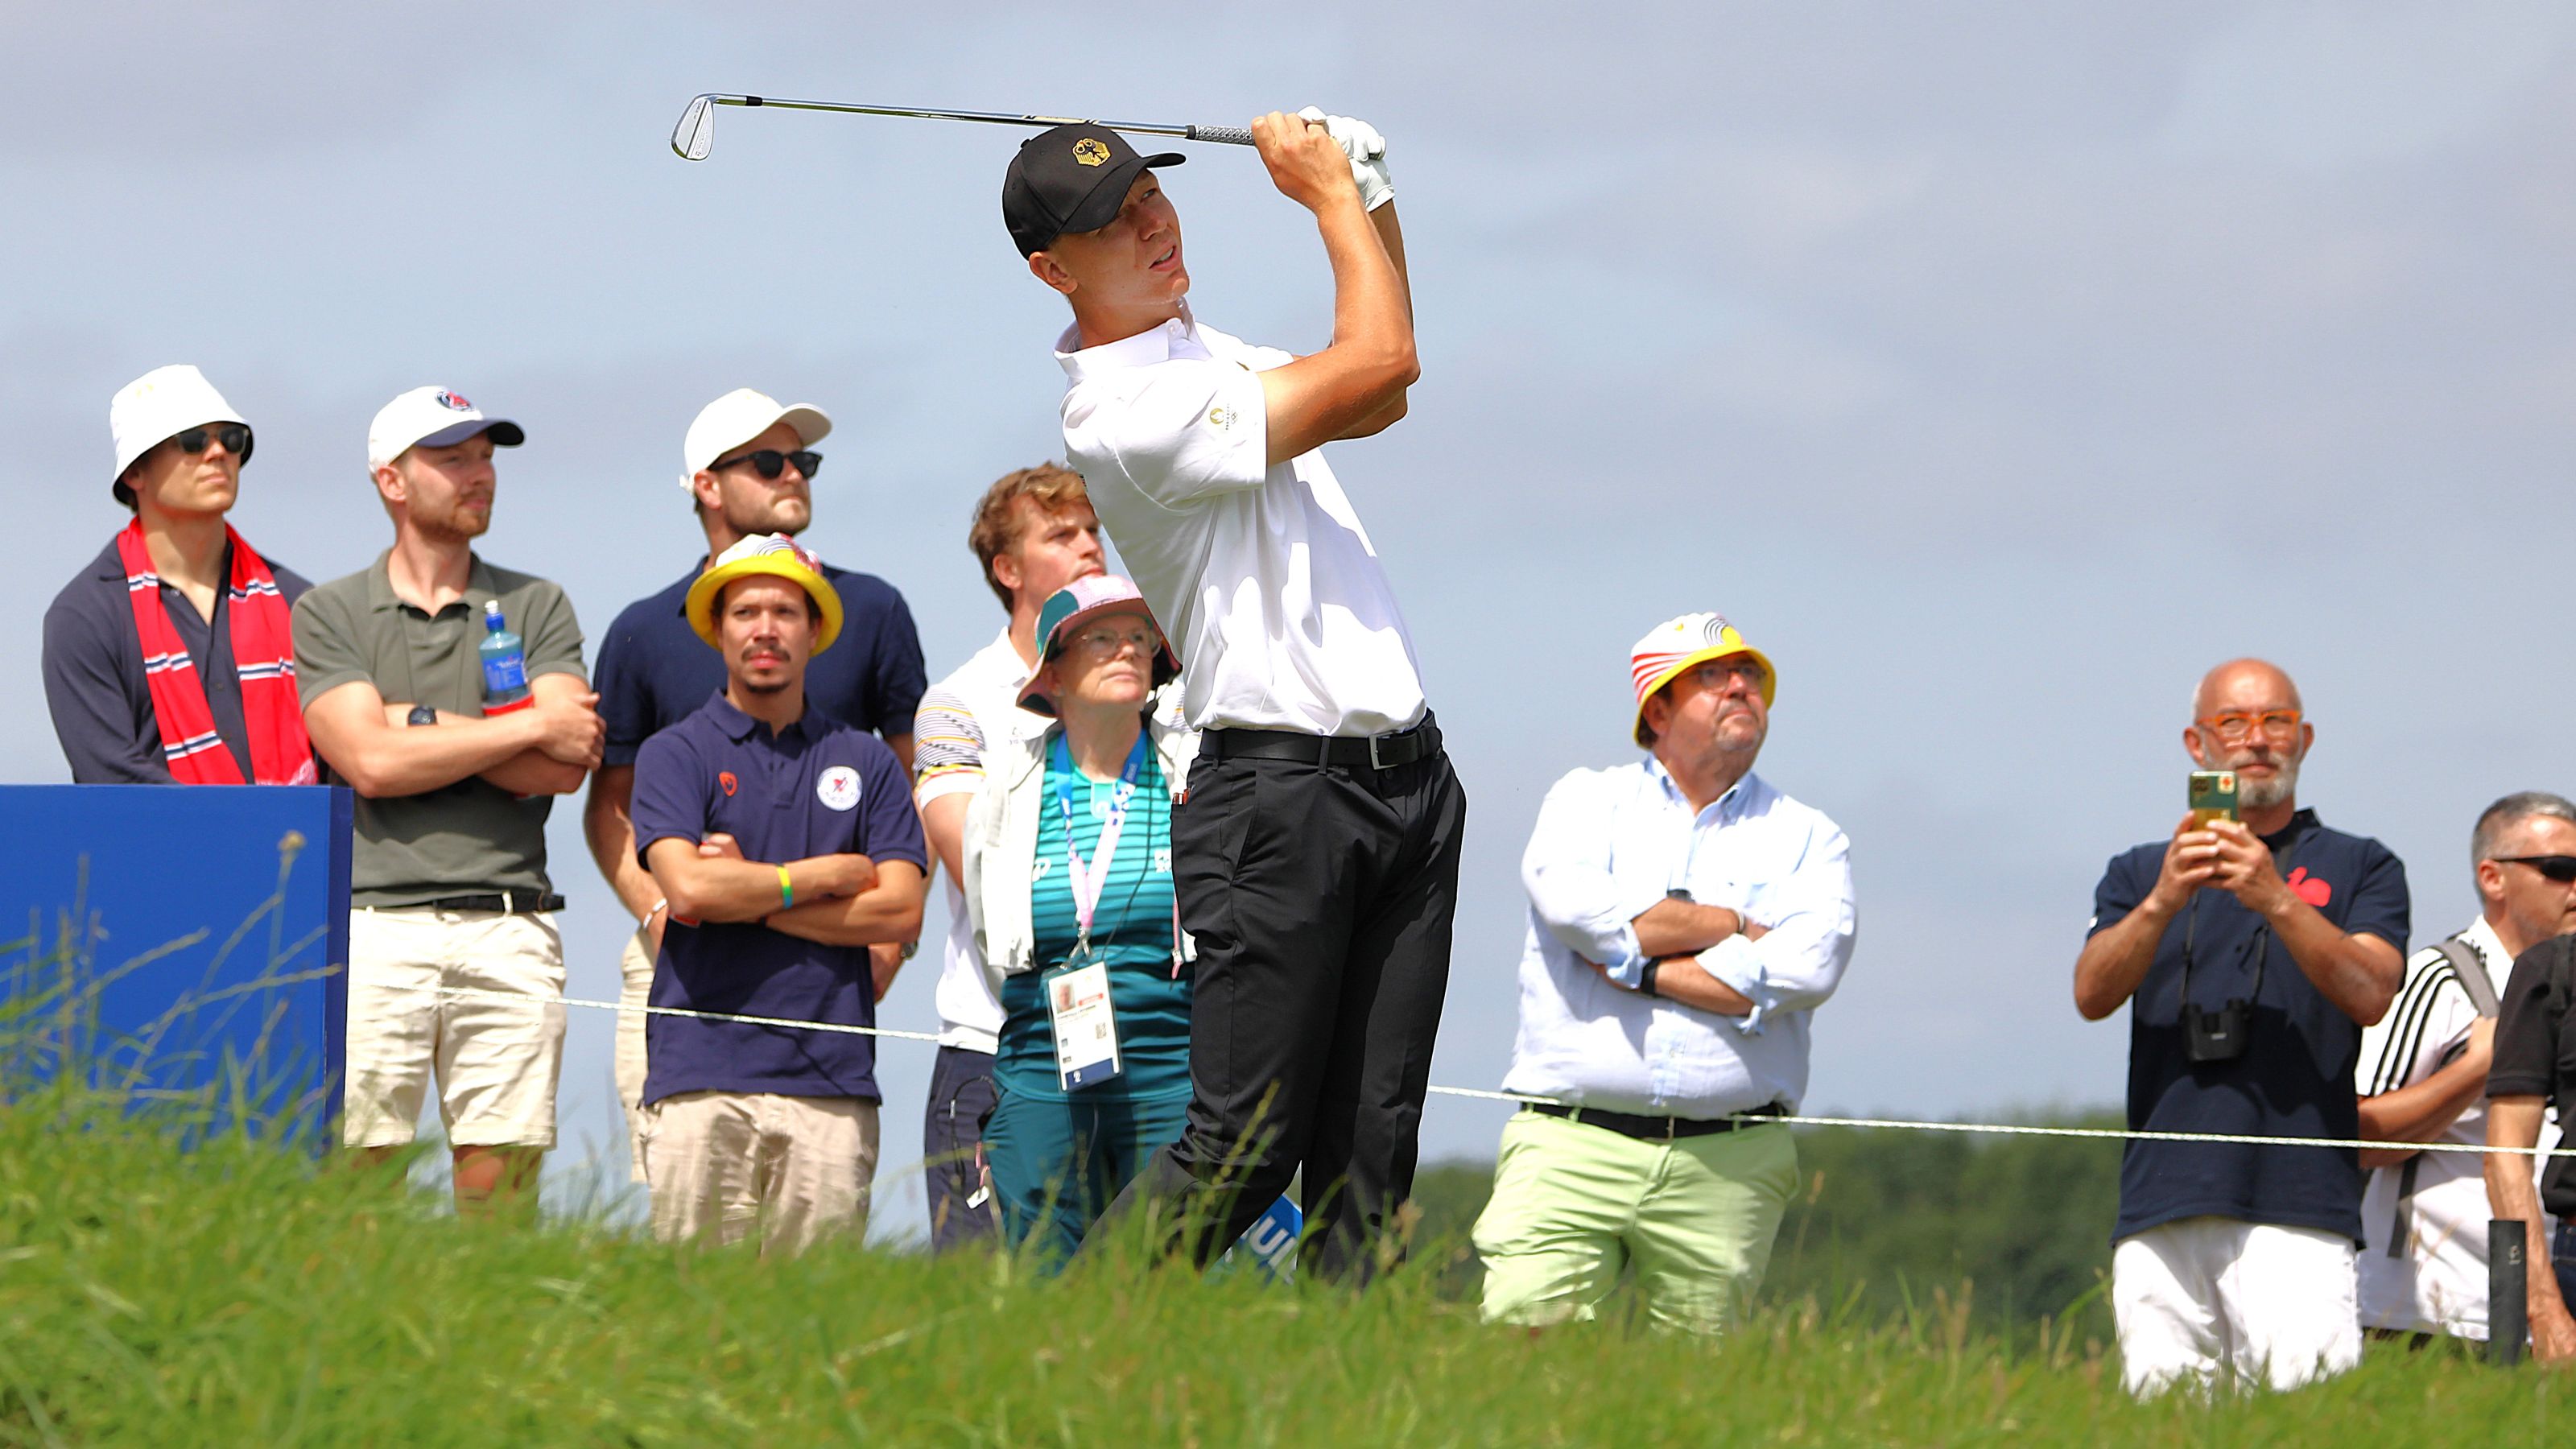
column 1374, row 762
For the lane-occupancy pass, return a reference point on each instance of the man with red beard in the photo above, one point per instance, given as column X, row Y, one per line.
column 2255, row 950
column 448, row 873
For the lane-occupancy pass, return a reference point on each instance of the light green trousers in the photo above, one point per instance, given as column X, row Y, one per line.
column 1574, row 1205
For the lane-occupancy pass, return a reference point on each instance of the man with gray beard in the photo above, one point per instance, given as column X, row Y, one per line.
column 2253, row 951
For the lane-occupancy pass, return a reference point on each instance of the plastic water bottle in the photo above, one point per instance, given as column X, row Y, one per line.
column 505, row 665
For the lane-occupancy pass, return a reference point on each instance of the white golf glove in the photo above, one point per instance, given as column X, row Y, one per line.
column 1367, row 149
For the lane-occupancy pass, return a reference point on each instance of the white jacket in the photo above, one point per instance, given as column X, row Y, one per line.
column 1001, row 844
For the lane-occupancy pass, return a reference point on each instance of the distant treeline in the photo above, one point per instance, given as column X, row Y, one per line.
column 1890, row 1219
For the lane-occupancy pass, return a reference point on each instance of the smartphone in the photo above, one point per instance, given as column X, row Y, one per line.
column 2213, row 796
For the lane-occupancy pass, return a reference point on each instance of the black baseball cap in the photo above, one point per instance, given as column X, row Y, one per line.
column 1070, row 178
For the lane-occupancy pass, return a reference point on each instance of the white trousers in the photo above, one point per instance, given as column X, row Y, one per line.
column 2209, row 1298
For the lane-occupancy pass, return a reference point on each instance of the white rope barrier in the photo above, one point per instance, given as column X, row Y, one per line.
column 1896, row 1124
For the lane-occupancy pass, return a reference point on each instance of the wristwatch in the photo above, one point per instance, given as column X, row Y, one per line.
column 421, row 714
column 1646, row 978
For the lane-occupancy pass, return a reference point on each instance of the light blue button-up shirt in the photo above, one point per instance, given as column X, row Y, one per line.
column 1610, row 844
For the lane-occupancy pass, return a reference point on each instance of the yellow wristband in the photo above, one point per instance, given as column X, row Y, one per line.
column 786, row 891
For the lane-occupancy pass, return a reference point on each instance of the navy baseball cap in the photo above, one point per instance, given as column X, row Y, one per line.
column 1070, row 178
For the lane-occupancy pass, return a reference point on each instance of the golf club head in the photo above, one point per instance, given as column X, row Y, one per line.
column 696, row 133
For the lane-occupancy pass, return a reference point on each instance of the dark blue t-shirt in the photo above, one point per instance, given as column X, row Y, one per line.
column 654, row 670
column 818, row 787
column 2295, row 1078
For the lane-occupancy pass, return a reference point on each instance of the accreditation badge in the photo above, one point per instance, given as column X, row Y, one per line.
column 1086, row 1032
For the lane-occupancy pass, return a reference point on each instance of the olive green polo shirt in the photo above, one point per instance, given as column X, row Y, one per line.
column 467, row 838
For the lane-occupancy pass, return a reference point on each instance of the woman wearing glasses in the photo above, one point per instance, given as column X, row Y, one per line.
column 1068, row 857
column 170, row 657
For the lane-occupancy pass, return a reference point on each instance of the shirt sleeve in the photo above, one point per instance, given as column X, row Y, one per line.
column 1566, row 871
column 625, row 706
column 1180, row 431
column 108, row 736
column 2527, row 1021
column 326, row 649
column 895, row 688
column 947, row 747
column 2118, row 894
column 892, row 827
column 2430, row 1013
column 1801, row 957
column 670, row 799
column 553, row 635
column 2380, row 904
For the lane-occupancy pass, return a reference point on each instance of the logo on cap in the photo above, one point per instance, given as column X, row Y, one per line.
column 453, row 403
column 1091, row 151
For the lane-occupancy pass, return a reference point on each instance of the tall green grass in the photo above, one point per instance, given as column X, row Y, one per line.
column 234, row 1293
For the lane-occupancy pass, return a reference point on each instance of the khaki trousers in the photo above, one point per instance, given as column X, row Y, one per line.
column 724, row 1164
column 634, row 993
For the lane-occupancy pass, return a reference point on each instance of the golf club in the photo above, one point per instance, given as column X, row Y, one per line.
column 696, row 133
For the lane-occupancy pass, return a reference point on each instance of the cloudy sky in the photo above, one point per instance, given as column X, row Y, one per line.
column 1997, row 368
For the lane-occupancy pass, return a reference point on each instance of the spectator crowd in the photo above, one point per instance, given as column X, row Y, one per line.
column 1199, row 843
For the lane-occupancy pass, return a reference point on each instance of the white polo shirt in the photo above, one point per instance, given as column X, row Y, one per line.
column 2433, row 1279
column 1263, row 576
column 948, row 732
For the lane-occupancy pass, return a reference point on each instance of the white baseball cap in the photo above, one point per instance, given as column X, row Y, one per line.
column 432, row 417
column 738, row 417
column 159, row 405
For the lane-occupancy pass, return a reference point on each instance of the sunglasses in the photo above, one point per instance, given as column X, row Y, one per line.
column 2559, row 868
column 234, row 437
column 772, row 462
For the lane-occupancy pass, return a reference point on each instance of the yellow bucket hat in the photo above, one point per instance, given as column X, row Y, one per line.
column 766, row 553
column 1676, row 645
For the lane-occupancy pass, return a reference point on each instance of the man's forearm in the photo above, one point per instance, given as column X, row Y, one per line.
column 887, row 913
column 2112, row 964
column 389, row 762
column 704, row 888
column 2425, row 1110
column 1683, row 979
column 1674, row 927
column 609, row 828
column 1372, row 310
column 2358, row 980
column 534, row 772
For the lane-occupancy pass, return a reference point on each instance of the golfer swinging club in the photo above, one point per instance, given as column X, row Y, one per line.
column 1315, row 847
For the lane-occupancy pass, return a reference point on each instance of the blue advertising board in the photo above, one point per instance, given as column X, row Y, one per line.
column 179, row 943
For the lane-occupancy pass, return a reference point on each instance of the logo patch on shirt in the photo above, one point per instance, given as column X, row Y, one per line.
column 1222, row 418
column 2312, row 889
column 839, row 788
column 726, row 782
column 1091, row 151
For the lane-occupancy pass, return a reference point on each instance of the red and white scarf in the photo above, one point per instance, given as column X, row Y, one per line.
column 264, row 651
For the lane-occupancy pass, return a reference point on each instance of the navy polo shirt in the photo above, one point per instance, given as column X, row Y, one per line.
column 654, row 670
column 94, row 681
column 2295, row 1078
column 817, row 787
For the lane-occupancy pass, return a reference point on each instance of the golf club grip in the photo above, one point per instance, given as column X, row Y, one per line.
column 1223, row 135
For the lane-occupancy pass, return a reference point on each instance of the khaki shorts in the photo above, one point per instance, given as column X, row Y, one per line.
column 497, row 1062
column 634, row 993
column 798, row 1169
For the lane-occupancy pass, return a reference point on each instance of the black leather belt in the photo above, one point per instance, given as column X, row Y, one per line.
column 1376, row 752
column 1654, row 1129
column 505, row 903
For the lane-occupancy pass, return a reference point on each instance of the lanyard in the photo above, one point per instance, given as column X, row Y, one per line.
column 1087, row 881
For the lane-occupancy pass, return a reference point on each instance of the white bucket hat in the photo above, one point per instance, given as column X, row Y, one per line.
column 160, row 405
column 738, row 417
column 432, row 417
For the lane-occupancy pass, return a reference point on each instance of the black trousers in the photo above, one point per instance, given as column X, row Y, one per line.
column 1321, row 899
column 961, row 1097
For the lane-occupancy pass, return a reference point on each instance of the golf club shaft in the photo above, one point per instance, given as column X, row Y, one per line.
column 693, row 118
